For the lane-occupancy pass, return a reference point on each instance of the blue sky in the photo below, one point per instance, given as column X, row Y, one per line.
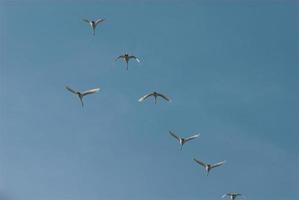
column 230, row 67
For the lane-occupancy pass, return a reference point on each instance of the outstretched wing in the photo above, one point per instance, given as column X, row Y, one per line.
column 164, row 97
column 121, row 56
column 86, row 20
column 134, row 57
column 191, row 137
column 200, row 162
column 145, row 97
column 70, row 89
column 175, row 136
column 99, row 21
column 90, row 91
column 238, row 194
column 225, row 195
column 217, row 164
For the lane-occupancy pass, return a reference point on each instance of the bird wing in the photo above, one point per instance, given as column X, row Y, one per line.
column 225, row 195
column 164, row 97
column 90, row 91
column 175, row 136
column 99, row 21
column 200, row 162
column 134, row 57
column 218, row 164
column 191, row 137
column 70, row 89
column 145, row 96
column 121, row 56
column 86, row 20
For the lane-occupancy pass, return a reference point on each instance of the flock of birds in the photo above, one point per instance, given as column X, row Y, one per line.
column 126, row 57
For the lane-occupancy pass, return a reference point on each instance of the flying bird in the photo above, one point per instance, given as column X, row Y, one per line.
column 93, row 24
column 155, row 94
column 207, row 166
column 82, row 94
column 232, row 195
column 126, row 57
column 182, row 140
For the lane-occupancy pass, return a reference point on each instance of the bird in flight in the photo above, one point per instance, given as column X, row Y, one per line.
column 126, row 57
column 182, row 140
column 207, row 166
column 82, row 94
column 232, row 195
column 93, row 24
column 155, row 94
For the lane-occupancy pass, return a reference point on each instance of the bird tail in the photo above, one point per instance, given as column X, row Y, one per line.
column 93, row 31
column 82, row 102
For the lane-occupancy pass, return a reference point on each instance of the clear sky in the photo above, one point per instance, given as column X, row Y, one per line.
column 231, row 68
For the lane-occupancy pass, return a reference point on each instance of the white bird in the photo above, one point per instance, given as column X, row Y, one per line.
column 232, row 195
column 207, row 166
column 126, row 57
column 82, row 94
column 93, row 23
column 182, row 140
column 155, row 94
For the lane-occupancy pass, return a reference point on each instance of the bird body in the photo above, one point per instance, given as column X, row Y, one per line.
column 155, row 95
column 126, row 57
column 182, row 140
column 232, row 195
column 208, row 166
column 93, row 24
column 82, row 94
